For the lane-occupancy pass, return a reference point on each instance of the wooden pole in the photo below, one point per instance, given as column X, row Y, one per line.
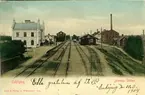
column 0, row 66
column 101, row 37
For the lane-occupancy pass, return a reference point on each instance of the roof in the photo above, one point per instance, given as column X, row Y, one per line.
column 60, row 32
column 122, row 37
column 49, row 35
column 88, row 36
column 27, row 26
column 108, row 31
column 96, row 33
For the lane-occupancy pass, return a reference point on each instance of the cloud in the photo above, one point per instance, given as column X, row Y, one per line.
column 131, row 29
column 73, row 25
column 80, row 26
column 79, row 19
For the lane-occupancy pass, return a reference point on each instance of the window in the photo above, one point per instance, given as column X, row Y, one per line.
column 32, row 42
column 17, row 34
column 32, row 34
column 25, row 34
column 25, row 42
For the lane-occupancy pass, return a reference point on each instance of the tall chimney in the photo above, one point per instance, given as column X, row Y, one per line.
column 111, row 27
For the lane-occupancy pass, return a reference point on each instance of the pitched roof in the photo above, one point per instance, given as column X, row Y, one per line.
column 122, row 37
column 27, row 26
column 108, row 31
column 88, row 36
column 96, row 33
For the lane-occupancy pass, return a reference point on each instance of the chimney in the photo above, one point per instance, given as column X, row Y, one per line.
column 111, row 27
column 14, row 22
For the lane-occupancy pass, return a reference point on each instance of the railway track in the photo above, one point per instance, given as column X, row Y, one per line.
column 68, row 60
column 83, row 55
column 63, row 64
column 96, row 68
column 38, row 63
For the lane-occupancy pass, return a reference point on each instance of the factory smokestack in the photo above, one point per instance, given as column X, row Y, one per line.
column 111, row 27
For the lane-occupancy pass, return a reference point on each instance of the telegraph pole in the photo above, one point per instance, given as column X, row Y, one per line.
column 101, row 37
column 0, row 66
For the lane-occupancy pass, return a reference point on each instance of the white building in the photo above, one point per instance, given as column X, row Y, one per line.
column 50, row 38
column 31, row 33
column 97, row 35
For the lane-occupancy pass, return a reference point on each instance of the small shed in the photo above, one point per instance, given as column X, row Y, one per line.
column 87, row 40
column 122, row 41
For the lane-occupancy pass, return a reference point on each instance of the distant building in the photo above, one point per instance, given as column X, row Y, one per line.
column 87, row 40
column 50, row 39
column 61, row 36
column 31, row 33
column 97, row 35
column 108, row 36
column 121, row 42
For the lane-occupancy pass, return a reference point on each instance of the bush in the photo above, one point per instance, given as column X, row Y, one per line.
column 134, row 47
column 75, row 37
column 11, row 49
column 5, row 38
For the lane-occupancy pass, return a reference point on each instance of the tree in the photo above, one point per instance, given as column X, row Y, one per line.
column 75, row 37
column 134, row 47
column 11, row 49
column 5, row 38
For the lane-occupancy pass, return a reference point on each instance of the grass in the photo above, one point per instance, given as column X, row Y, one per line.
column 12, row 64
column 121, row 63
column 136, row 67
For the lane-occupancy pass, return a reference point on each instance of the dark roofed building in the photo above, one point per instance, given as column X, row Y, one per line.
column 121, row 42
column 61, row 36
column 87, row 40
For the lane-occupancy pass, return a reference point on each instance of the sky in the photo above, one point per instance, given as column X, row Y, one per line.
column 76, row 17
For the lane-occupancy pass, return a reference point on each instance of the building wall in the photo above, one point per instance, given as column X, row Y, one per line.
column 107, row 36
column 99, row 37
column 28, row 38
column 88, row 41
column 50, row 37
column 122, row 42
column 42, row 36
column 61, row 36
